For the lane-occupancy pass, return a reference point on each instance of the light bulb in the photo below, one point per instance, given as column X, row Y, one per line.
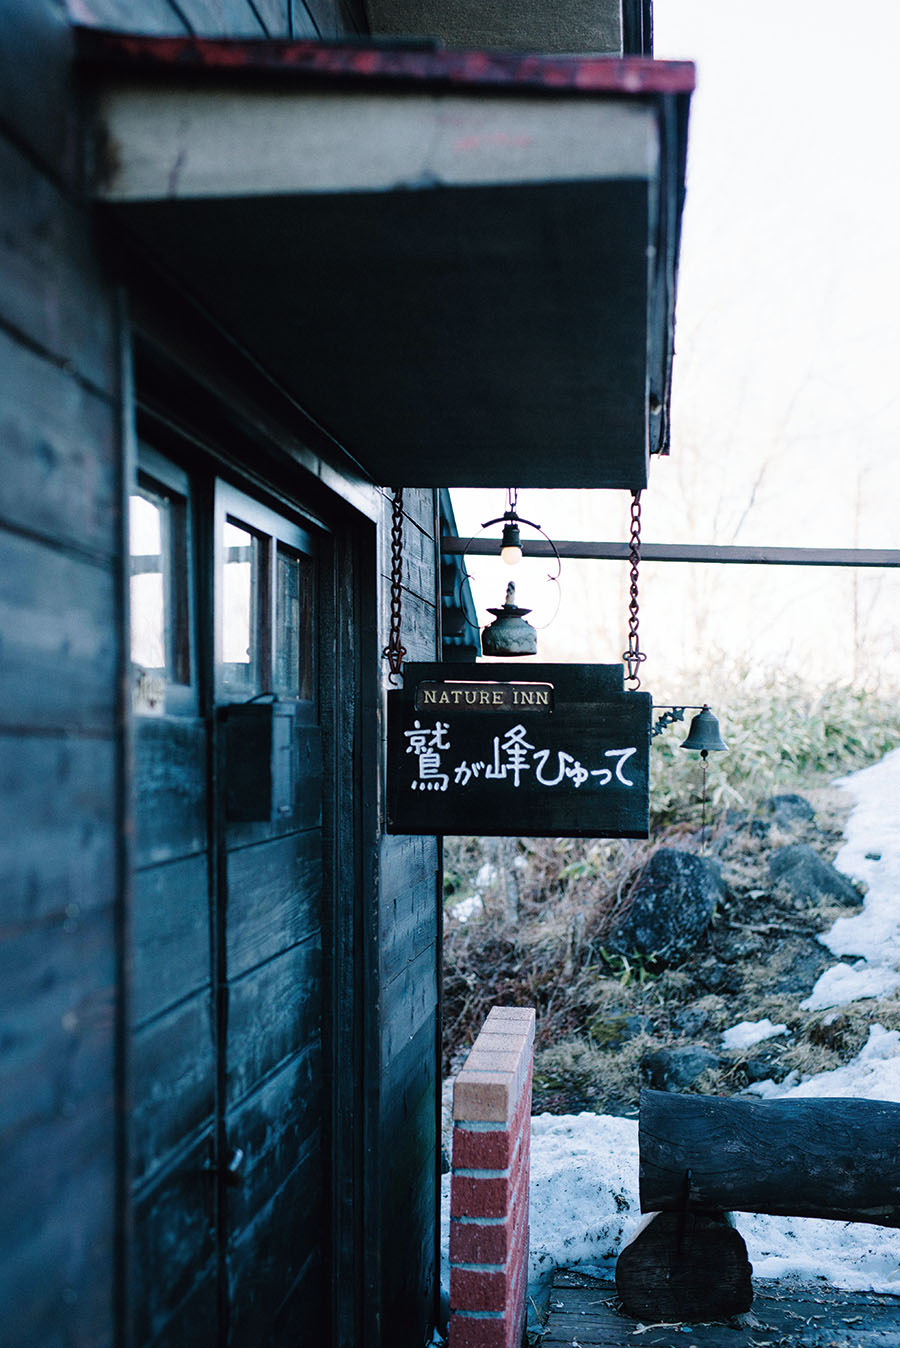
column 510, row 545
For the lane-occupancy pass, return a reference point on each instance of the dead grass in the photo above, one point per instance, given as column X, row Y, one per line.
column 539, row 941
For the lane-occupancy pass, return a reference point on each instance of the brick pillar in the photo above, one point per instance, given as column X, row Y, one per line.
column 489, row 1184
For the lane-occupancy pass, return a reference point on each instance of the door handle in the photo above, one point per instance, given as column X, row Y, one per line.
column 231, row 1170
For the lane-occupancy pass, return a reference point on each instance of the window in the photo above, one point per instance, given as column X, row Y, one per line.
column 266, row 587
column 159, row 587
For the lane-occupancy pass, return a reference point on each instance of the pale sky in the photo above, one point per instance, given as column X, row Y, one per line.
column 786, row 399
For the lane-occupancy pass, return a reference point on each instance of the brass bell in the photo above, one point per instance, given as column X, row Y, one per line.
column 509, row 634
column 704, row 734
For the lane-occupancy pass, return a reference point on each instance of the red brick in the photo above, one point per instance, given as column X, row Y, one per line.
column 466, row 1332
column 478, row 1291
column 472, row 1243
column 478, row 1197
column 492, row 1149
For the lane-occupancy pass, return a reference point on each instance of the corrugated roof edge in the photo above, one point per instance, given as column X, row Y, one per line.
column 397, row 63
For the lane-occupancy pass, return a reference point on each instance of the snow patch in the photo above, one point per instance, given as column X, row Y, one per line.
column 750, row 1032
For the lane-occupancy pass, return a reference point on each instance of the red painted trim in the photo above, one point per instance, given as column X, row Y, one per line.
column 354, row 63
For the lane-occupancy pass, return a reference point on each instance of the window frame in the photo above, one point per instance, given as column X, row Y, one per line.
column 160, row 476
column 277, row 530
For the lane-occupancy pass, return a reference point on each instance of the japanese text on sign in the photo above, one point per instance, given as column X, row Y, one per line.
column 510, row 756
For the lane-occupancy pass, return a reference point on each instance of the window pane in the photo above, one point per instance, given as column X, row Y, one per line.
column 160, row 640
column 148, row 605
column 244, row 610
column 293, row 633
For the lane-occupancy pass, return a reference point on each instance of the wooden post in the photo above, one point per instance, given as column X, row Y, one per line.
column 685, row 1266
column 836, row 1158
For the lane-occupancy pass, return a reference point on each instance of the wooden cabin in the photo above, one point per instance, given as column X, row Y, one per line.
column 258, row 270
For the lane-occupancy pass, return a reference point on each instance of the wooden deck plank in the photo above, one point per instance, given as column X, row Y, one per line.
column 583, row 1313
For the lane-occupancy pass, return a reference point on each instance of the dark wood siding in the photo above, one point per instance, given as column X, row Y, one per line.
column 69, row 857
column 226, row 18
column 409, row 973
column 60, row 746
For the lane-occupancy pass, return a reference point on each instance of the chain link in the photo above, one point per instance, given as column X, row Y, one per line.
column 634, row 656
column 395, row 652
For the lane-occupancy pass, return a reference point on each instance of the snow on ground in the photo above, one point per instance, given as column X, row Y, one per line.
column 584, row 1168
column 750, row 1032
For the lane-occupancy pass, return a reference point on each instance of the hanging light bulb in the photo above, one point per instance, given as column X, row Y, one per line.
column 510, row 542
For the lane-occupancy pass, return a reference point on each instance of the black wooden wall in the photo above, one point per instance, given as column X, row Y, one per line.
column 226, row 18
column 61, row 742
column 66, row 859
column 409, row 966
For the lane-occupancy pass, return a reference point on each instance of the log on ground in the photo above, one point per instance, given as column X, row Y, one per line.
column 834, row 1158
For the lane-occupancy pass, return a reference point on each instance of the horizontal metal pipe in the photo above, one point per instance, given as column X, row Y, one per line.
column 685, row 552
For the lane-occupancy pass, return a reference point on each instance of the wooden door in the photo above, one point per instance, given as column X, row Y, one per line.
column 230, row 1114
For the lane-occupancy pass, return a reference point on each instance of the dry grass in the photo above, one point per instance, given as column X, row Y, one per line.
column 547, row 905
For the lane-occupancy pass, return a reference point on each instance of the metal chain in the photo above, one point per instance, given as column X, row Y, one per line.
column 634, row 656
column 395, row 652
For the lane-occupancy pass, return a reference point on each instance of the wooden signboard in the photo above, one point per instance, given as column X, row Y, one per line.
column 507, row 750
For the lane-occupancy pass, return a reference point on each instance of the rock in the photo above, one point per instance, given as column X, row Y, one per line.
column 790, row 809
column 612, row 1030
column 810, row 879
column 763, row 1068
column 670, row 1069
column 672, row 905
column 690, row 1020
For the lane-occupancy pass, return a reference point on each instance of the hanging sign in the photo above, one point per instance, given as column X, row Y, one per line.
column 511, row 750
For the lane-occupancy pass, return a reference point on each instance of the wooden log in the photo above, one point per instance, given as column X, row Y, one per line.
column 685, row 1266
column 835, row 1158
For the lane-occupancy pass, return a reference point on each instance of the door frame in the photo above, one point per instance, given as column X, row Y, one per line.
column 162, row 406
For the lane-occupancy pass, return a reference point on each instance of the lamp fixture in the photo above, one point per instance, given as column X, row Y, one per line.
column 509, row 634
column 511, row 543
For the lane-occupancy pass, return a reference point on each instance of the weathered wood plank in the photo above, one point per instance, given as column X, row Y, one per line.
column 302, row 23
column 404, row 860
column 274, row 898
column 417, row 630
column 409, row 1189
column 57, row 827
column 408, row 1002
column 326, row 15
column 304, row 1305
column 269, row 1255
column 834, row 1158
column 170, row 758
column 222, row 18
column 34, row 36
column 408, row 925
column 58, row 654
column 175, row 1247
column 420, row 560
column 409, row 1119
column 273, row 1012
column 418, row 510
column 174, row 1083
column 170, row 925
column 59, row 446
column 179, row 1329
column 275, row 14
column 151, row 16
column 275, row 1128
column 57, row 1234
column 585, row 1308
column 57, row 983
column 53, row 290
